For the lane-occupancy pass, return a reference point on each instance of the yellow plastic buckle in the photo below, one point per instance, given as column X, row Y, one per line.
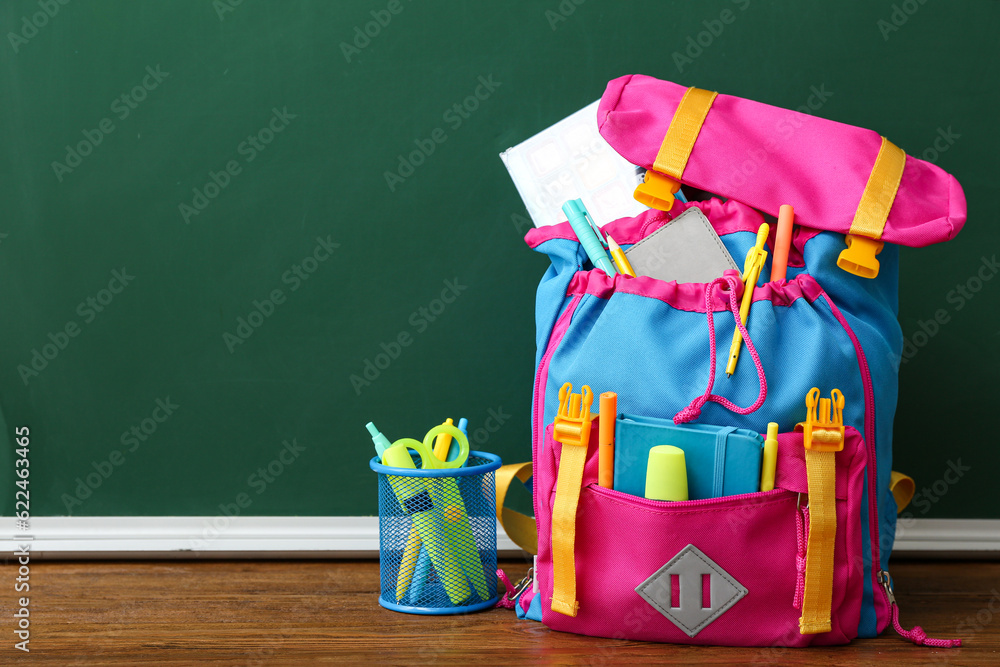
column 657, row 191
column 859, row 256
column 823, row 432
column 572, row 425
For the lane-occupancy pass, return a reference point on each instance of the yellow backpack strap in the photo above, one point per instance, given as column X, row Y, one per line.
column 572, row 429
column 663, row 180
column 520, row 528
column 822, row 437
column 684, row 128
column 902, row 488
column 564, row 529
column 817, row 599
column 873, row 210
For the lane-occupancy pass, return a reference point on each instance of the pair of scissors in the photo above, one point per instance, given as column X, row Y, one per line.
column 428, row 461
column 442, row 528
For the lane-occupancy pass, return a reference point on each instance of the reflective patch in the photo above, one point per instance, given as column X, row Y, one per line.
column 701, row 590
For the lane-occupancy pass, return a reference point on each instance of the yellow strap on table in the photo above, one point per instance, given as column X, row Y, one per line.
column 564, row 529
column 902, row 488
column 520, row 528
column 684, row 128
column 817, row 599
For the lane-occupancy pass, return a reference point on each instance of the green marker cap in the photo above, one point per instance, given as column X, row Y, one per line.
column 381, row 442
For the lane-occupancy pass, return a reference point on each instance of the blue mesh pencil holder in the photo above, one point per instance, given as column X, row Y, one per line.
column 438, row 536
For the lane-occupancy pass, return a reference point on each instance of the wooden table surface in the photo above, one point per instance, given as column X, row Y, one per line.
column 326, row 612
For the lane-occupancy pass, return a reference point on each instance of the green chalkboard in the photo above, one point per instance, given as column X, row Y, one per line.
column 234, row 232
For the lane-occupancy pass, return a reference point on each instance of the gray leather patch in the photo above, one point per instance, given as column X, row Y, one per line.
column 689, row 565
column 686, row 249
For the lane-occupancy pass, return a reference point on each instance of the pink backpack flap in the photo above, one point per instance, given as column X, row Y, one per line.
column 765, row 156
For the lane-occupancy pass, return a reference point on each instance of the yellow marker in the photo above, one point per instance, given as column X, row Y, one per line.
column 409, row 562
column 770, row 461
column 617, row 254
column 415, row 500
column 443, row 443
column 438, row 517
column 666, row 474
column 756, row 257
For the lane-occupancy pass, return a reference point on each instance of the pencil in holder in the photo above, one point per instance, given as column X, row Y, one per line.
column 437, row 536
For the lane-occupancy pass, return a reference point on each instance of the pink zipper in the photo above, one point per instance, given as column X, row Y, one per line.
column 873, row 498
column 880, row 577
column 555, row 337
column 802, row 539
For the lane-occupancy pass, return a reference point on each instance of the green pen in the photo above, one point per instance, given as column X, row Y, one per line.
column 589, row 235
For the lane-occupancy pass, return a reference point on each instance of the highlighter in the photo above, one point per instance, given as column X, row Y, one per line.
column 381, row 442
column 418, row 501
column 769, row 461
column 666, row 474
column 423, row 567
column 443, row 443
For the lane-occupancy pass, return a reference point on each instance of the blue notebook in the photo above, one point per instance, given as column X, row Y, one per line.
column 720, row 460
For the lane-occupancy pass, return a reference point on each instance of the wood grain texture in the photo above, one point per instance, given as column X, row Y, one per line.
column 326, row 612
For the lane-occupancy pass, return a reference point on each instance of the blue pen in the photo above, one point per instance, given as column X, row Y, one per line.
column 453, row 449
column 590, row 237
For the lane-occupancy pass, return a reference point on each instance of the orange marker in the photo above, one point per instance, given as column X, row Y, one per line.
column 606, row 442
column 782, row 242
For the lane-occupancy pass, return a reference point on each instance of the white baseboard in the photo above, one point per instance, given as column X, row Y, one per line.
column 948, row 535
column 202, row 537
column 343, row 537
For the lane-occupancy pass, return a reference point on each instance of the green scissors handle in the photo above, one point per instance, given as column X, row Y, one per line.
column 426, row 448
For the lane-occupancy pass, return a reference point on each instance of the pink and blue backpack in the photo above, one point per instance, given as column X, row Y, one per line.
column 731, row 570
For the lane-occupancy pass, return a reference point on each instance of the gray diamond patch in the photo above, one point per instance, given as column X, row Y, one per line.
column 691, row 567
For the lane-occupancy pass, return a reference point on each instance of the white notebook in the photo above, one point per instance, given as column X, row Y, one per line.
column 571, row 160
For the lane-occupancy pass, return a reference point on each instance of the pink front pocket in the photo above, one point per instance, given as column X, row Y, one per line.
column 721, row 571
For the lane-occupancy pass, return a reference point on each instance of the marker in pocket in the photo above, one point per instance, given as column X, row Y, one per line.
column 666, row 474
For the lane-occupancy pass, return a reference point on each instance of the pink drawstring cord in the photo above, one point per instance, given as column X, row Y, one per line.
column 917, row 634
column 693, row 411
